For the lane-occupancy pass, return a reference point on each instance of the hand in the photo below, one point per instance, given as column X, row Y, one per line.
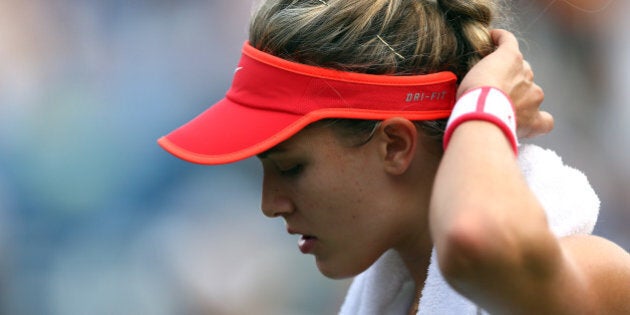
column 506, row 70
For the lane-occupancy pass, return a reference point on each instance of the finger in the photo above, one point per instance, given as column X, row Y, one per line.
column 503, row 38
column 529, row 72
column 542, row 124
column 546, row 122
column 539, row 93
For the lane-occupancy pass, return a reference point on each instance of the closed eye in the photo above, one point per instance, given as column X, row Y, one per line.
column 292, row 171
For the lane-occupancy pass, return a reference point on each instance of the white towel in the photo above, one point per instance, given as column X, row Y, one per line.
column 386, row 287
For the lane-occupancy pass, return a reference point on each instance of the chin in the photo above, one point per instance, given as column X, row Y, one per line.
column 337, row 272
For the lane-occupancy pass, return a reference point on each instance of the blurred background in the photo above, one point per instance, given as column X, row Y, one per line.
column 96, row 219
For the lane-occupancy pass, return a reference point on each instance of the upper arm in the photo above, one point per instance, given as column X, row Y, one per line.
column 591, row 276
column 586, row 275
column 603, row 269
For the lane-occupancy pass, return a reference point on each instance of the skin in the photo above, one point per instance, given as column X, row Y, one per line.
column 508, row 263
column 318, row 184
column 413, row 199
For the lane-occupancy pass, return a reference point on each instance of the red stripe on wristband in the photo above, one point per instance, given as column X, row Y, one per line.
column 467, row 108
column 481, row 101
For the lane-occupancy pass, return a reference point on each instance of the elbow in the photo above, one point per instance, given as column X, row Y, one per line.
column 462, row 250
column 476, row 247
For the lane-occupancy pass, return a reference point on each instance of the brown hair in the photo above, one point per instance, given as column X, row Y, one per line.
column 394, row 37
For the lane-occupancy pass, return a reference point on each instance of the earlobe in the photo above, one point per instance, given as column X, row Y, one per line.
column 399, row 146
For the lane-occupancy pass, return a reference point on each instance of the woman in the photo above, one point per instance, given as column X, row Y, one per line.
column 345, row 104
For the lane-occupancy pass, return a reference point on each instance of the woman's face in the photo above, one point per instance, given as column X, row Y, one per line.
column 339, row 199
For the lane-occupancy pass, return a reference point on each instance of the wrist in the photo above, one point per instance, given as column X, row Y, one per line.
column 488, row 104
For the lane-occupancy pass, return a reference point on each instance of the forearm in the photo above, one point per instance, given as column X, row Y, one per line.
column 487, row 226
column 479, row 189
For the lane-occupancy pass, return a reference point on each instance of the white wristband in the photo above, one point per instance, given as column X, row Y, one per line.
column 488, row 104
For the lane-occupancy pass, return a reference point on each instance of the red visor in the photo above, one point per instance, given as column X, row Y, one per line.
column 271, row 99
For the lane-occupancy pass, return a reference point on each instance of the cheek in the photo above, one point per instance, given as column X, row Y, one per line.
column 359, row 233
column 347, row 199
column 348, row 202
column 350, row 193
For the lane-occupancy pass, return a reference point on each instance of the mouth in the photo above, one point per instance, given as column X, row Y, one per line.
column 306, row 243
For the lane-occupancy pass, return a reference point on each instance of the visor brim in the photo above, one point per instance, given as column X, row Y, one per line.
column 228, row 132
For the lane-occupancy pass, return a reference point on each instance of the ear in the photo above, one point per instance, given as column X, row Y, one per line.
column 399, row 140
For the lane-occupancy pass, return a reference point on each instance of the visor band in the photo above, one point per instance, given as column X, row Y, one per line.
column 267, row 82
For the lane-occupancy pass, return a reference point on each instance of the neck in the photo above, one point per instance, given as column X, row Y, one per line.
column 417, row 258
column 417, row 246
column 415, row 251
column 417, row 262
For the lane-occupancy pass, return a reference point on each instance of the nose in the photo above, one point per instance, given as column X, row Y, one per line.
column 275, row 200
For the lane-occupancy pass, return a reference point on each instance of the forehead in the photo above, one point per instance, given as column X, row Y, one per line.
column 310, row 138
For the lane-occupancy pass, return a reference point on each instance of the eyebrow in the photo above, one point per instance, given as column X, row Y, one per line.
column 274, row 150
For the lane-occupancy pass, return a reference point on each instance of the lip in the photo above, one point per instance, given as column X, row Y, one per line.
column 306, row 243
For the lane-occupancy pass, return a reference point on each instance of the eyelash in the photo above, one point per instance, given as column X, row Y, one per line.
column 293, row 171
